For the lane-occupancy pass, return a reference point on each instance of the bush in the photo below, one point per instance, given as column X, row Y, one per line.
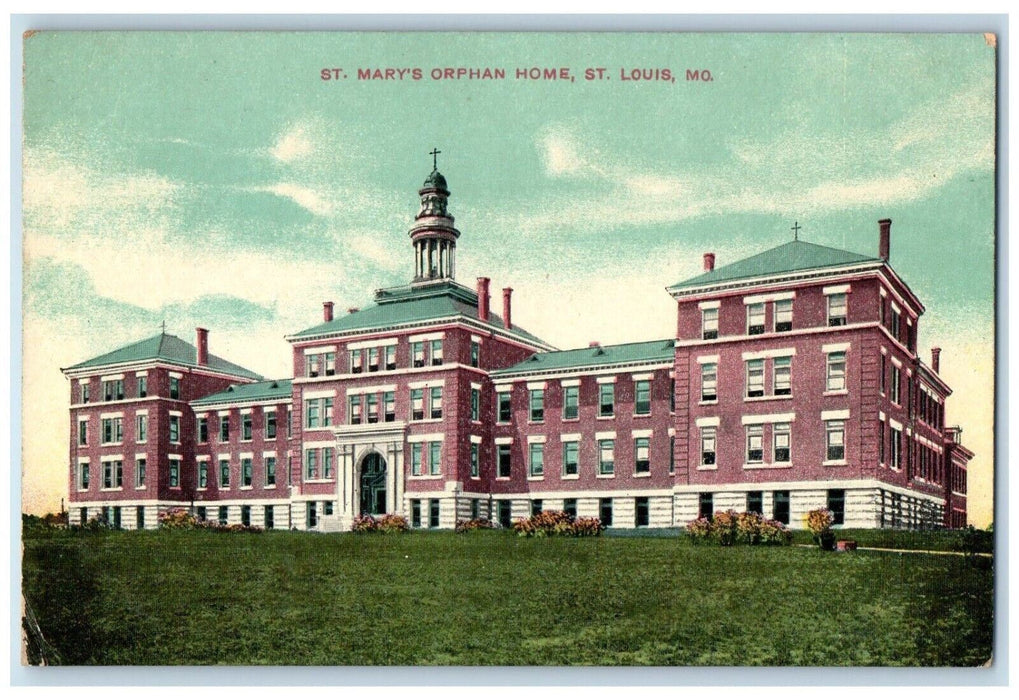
column 772, row 532
column 729, row 528
column 177, row 519
column 699, row 530
column 724, row 527
column 819, row 521
column 385, row 524
column 474, row 524
column 748, row 528
column 551, row 523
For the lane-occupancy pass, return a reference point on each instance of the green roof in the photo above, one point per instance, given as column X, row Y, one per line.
column 258, row 391
column 167, row 348
column 627, row 353
column 789, row 257
column 412, row 304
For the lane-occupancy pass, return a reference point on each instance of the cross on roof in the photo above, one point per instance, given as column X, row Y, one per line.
column 435, row 162
column 796, row 230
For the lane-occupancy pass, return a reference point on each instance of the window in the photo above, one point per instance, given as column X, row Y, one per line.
column 708, row 446
column 354, row 405
column 222, row 515
column 373, row 359
column 605, row 511
column 174, row 387
column 113, row 390
column 505, row 513
column 606, row 457
column 415, row 459
column 837, row 309
column 571, row 458
column 836, row 432
column 311, row 464
column 755, row 319
column 434, row 458
column 83, row 432
column 389, row 406
column 536, row 463
column 330, row 363
column 113, row 474
column 780, row 506
column 505, row 411
column 706, row 506
column 314, row 365
column 475, row 508
column 570, row 507
column 755, row 502
column 174, row 473
column 436, row 352
column 203, row 429
column 755, row 444
column 571, row 402
column 83, row 477
column 672, row 454
column 246, row 516
column 709, row 324
column 881, row 441
column 836, row 376
column 884, row 372
column 783, row 376
column 536, row 506
column 504, row 461
column 311, row 514
column 435, row 402
column 896, row 382
column 327, row 412
column 642, row 508
column 783, row 315
column 139, row 515
column 896, row 324
column 203, row 475
column 837, row 505
column 537, row 405
column 475, row 353
column 415, row 513
column 224, row 428
column 709, row 381
column 642, row 393
column 113, row 430
column 417, row 351
column 896, row 436
column 143, row 387
column 433, row 512
column 270, row 471
column 246, row 424
column 139, row 472
column 390, row 351
column 780, row 434
column 475, row 465
column 311, row 412
column 606, row 400
column 327, row 462
column 84, row 392
column 755, row 378
column 475, row 404
column 246, row 471
column 356, row 361
column 270, row 517
column 270, row 425
column 224, row 473
column 373, row 408
column 174, row 428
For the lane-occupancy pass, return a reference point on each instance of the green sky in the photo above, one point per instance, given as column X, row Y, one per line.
column 215, row 179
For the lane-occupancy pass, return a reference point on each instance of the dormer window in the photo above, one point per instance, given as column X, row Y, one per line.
column 709, row 323
column 755, row 319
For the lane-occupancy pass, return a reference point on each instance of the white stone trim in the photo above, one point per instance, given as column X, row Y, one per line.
column 144, row 412
column 117, row 414
column 569, row 382
column 426, row 437
column 379, row 389
column 881, row 415
column 605, row 435
column 641, row 433
column 319, row 350
column 203, row 458
column 643, row 377
column 707, row 359
column 476, row 386
column 502, row 387
column 569, row 437
column 769, row 418
column 177, row 457
column 142, row 373
column 176, row 414
column 424, row 337
column 111, row 377
column 836, row 289
column 427, row 384
column 246, row 455
column 708, row 422
column 897, row 362
column 322, row 394
column 611, row 379
column 839, row 414
column 366, row 344
column 895, row 424
column 317, row 444
column 504, row 441
column 475, row 439
column 762, row 354
column 536, row 439
column 223, row 456
column 246, row 411
column 532, row 386
column 223, row 413
column 177, row 375
column 835, row 347
column 268, row 453
column 764, row 298
column 711, row 304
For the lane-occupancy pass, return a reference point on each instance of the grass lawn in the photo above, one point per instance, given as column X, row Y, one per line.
column 492, row 598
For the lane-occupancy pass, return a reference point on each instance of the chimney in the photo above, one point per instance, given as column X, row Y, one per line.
column 709, row 262
column 594, row 344
column 353, row 310
column 936, row 360
column 884, row 242
column 203, row 346
column 507, row 292
column 483, row 283
column 327, row 311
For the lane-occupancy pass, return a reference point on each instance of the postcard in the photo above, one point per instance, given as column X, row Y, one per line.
column 508, row 349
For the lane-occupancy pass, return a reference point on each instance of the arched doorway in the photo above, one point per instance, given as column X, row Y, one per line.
column 373, row 485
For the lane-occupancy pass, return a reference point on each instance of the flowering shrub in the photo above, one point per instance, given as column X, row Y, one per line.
column 550, row 523
column 385, row 524
column 774, row 532
column 177, row 519
column 819, row 520
column 748, row 528
column 729, row 527
column 724, row 527
column 699, row 529
column 474, row 524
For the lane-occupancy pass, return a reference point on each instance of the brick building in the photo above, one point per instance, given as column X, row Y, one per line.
column 792, row 382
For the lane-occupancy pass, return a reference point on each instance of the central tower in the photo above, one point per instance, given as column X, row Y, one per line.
column 433, row 234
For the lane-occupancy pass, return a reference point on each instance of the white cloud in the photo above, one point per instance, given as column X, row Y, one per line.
column 292, row 144
column 302, row 196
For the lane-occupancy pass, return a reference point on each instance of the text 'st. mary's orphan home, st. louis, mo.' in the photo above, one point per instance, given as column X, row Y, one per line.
column 792, row 382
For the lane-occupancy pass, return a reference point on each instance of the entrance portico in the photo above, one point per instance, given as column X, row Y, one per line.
column 370, row 470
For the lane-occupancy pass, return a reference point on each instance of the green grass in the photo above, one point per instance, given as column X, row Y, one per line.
column 492, row 598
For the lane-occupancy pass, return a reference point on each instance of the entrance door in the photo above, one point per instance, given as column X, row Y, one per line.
column 373, row 485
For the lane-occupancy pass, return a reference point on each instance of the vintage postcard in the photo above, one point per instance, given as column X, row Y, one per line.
column 498, row 349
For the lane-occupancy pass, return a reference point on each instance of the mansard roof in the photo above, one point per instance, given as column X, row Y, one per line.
column 164, row 348
column 794, row 256
column 648, row 352
column 413, row 304
column 269, row 390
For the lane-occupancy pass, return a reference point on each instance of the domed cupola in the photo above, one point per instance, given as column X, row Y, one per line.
column 433, row 234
